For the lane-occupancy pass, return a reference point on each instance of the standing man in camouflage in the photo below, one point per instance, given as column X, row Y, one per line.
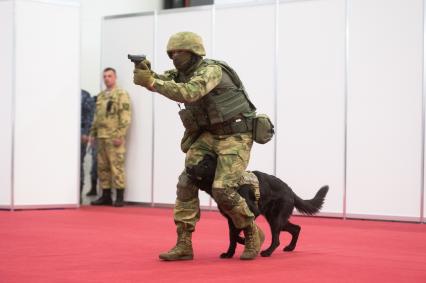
column 218, row 121
column 87, row 111
column 109, row 128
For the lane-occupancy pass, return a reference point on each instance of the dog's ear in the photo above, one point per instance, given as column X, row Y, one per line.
column 189, row 171
column 192, row 174
column 204, row 171
column 210, row 158
column 210, row 161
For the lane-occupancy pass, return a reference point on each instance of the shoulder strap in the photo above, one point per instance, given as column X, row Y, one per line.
column 233, row 75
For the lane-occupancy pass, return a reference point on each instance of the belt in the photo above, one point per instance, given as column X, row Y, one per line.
column 235, row 125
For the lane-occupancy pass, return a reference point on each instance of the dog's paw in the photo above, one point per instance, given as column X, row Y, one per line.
column 265, row 253
column 289, row 248
column 226, row 255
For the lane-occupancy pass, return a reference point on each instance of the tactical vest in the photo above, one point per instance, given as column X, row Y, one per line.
column 227, row 100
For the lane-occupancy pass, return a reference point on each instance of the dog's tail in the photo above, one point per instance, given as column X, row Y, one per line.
column 312, row 206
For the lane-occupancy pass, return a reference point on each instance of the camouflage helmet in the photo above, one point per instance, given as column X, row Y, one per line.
column 187, row 41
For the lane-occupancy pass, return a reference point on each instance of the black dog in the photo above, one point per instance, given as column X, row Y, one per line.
column 276, row 203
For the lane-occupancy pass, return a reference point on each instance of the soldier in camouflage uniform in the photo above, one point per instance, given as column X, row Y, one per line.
column 112, row 119
column 218, row 122
column 87, row 111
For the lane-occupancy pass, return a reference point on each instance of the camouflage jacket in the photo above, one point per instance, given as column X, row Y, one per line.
column 195, row 83
column 113, row 114
column 87, row 112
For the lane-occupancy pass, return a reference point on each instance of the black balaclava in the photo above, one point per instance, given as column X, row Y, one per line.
column 185, row 60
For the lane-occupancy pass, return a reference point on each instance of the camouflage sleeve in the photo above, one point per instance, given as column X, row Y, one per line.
column 124, row 115
column 203, row 81
column 167, row 76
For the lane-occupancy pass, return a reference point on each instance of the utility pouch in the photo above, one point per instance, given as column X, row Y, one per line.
column 263, row 129
column 188, row 139
column 188, row 120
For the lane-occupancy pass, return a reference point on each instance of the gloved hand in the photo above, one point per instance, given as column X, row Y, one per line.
column 143, row 65
column 143, row 77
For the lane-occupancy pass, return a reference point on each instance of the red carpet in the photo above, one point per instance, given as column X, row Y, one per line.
column 121, row 245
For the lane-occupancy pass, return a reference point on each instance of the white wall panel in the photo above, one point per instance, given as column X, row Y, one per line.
column 248, row 47
column 384, row 110
column 168, row 159
column 310, row 133
column 47, row 104
column 118, row 40
column 6, row 81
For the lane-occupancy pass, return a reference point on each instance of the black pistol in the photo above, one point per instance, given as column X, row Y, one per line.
column 136, row 58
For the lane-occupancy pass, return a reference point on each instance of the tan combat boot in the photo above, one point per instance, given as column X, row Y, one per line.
column 182, row 250
column 254, row 239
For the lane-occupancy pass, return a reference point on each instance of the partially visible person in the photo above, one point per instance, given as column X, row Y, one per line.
column 108, row 134
column 94, row 169
column 87, row 111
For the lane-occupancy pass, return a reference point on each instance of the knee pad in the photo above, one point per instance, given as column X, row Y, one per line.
column 234, row 206
column 226, row 198
column 186, row 190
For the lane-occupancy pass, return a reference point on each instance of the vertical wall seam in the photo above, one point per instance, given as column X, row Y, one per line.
column 213, row 52
column 422, row 165
column 153, row 109
column 13, row 108
column 101, row 53
column 346, row 90
column 276, row 69
column 79, row 192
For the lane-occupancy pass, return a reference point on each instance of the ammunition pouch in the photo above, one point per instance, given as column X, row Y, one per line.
column 189, row 121
column 263, row 129
column 188, row 139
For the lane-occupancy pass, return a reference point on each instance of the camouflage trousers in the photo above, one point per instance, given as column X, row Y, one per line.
column 233, row 154
column 110, row 164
